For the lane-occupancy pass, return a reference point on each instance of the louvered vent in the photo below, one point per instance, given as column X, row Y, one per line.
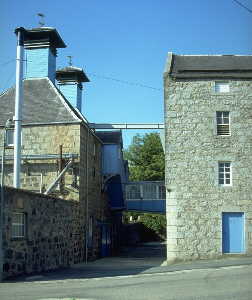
column 223, row 129
column 223, row 122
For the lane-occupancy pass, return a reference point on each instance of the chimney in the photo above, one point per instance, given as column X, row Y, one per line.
column 70, row 84
column 41, row 50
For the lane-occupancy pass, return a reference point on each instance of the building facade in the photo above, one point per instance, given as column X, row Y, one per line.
column 208, row 104
column 56, row 140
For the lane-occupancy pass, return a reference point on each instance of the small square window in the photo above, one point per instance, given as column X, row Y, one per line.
column 222, row 87
column 18, row 225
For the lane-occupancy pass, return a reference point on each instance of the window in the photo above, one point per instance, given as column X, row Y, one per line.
column 222, row 87
column 225, row 173
column 223, row 122
column 133, row 192
column 18, row 225
column 9, row 137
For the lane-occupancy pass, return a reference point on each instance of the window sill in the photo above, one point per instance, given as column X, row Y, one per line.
column 223, row 94
column 225, row 186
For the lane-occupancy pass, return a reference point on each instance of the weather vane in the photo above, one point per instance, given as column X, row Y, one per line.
column 70, row 60
column 41, row 21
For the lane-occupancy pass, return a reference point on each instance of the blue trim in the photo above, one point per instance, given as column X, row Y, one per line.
column 146, row 205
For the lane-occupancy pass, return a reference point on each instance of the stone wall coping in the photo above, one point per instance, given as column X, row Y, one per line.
column 38, row 194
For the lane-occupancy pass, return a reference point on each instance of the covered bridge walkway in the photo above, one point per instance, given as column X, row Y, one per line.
column 145, row 196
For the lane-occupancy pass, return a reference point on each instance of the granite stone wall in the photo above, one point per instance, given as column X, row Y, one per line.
column 195, row 201
column 54, row 233
column 37, row 175
column 81, row 183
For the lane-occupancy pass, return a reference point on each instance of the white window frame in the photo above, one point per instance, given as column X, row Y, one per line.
column 9, row 141
column 222, row 87
column 224, row 174
column 18, row 228
column 221, row 116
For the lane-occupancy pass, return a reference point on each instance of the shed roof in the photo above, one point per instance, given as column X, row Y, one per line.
column 43, row 104
column 211, row 66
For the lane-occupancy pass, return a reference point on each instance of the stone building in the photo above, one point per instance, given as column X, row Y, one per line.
column 56, row 139
column 208, row 105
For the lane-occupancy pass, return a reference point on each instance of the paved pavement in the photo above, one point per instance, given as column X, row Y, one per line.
column 148, row 258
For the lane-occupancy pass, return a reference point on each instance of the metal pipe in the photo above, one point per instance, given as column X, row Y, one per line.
column 44, row 156
column 18, row 106
column 2, row 208
column 59, row 177
column 87, row 215
column 126, row 126
column 41, row 183
column 60, row 167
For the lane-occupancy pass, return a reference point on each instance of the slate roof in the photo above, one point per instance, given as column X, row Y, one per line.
column 211, row 66
column 43, row 104
column 110, row 137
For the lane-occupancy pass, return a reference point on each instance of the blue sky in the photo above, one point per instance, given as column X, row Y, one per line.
column 127, row 41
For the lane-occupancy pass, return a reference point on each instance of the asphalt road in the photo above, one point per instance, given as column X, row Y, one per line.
column 222, row 283
column 139, row 273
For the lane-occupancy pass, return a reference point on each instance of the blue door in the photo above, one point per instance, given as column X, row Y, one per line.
column 232, row 232
column 106, row 240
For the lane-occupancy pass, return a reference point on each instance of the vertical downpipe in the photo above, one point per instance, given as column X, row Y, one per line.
column 87, row 214
column 18, row 106
column 2, row 209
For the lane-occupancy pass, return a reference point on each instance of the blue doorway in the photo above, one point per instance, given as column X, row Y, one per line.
column 106, row 240
column 233, row 232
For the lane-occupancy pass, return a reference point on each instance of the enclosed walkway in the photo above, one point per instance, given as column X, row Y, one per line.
column 145, row 196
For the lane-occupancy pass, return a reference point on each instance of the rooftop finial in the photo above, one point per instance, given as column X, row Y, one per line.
column 42, row 21
column 70, row 60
